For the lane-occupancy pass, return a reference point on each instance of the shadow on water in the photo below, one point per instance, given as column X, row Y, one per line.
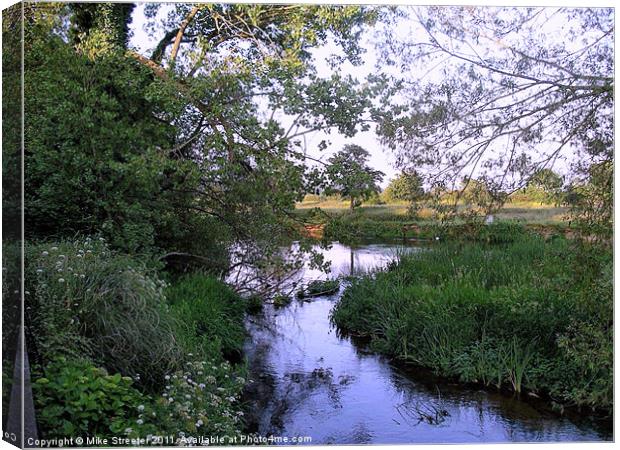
column 311, row 381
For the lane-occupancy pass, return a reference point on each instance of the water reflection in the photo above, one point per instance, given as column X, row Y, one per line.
column 312, row 382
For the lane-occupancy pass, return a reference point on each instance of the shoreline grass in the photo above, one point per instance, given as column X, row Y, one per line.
column 529, row 316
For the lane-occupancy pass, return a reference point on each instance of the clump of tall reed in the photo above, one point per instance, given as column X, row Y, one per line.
column 518, row 316
column 86, row 301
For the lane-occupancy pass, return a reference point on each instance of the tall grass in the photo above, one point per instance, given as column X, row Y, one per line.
column 85, row 301
column 503, row 315
column 208, row 315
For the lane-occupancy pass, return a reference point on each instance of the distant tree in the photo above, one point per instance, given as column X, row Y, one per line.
column 407, row 186
column 545, row 186
column 480, row 194
column 349, row 175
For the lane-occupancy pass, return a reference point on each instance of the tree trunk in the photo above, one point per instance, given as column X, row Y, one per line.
column 352, row 203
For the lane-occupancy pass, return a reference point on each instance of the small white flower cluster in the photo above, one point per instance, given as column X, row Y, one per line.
column 194, row 396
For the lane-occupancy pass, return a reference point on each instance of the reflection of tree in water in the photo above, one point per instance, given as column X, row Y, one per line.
column 271, row 398
column 296, row 387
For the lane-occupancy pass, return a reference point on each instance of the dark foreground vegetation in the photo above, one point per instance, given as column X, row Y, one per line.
column 120, row 352
column 528, row 316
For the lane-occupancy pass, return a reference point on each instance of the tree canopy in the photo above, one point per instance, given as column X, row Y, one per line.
column 499, row 93
column 195, row 149
column 349, row 175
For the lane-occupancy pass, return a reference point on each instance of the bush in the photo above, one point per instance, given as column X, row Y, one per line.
column 208, row 316
column 86, row 301
column 74, row 398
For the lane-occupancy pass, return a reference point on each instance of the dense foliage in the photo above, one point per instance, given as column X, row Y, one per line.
column 530, row 315
column 111, row 352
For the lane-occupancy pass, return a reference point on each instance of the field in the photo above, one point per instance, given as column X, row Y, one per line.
column 528, row 212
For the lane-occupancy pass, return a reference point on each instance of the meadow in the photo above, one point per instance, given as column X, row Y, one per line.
column 519, row 210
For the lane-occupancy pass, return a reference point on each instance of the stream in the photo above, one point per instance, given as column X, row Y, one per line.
column 312, row 383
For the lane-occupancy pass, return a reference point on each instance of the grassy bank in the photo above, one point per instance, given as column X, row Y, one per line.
column 116, row 351
column 352, row 228
column 530, row 316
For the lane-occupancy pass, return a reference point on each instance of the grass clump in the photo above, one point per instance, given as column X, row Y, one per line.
column 208, row 316
column 254, row 304
column 85, row 301
column 281, row 300
column 528, row 315
column 319, row 287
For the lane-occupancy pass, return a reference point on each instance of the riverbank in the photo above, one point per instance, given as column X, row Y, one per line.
column 311, row 380
column 529, row 316
column 116, row 351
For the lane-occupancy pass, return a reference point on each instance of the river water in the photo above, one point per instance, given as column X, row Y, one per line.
column 311, row 382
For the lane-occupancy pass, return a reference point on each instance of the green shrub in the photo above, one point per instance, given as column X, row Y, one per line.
column 74, row 398
column 86, row 301
column 208, row 316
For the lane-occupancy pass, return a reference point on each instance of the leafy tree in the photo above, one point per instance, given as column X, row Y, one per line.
column 182, row 151
column 407, row 186
column 349, row 175
column 514, row 90
column 545, row 186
